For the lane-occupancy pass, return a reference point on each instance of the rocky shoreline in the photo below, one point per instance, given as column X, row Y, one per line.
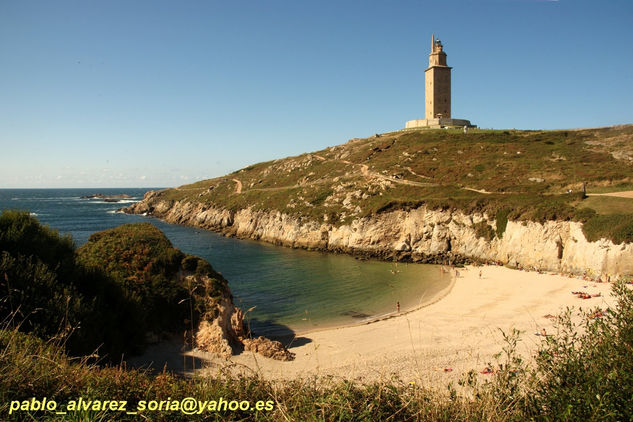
column 417, row 235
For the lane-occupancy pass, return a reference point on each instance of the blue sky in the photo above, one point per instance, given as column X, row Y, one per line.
column 141, row 93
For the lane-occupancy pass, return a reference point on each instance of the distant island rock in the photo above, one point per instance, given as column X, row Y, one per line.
column 107, row 198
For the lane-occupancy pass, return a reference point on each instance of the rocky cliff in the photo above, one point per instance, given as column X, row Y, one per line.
column 418, row 234
column 222, row 330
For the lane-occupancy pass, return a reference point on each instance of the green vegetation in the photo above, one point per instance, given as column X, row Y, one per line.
column 514, row 175
column 501, row 219
column 616, row 227
column 620, row 187
column 484, row 230
column 141, row 259
column 583, row 372
column 123, row 283
column 47, row 294
column 608, row 204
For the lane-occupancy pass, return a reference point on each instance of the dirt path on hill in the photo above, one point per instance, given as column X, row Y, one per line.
column 365, row 172
column 623, row 194
column 238, row 187
column 415, row 174
column 372, row 174
column 485, row 192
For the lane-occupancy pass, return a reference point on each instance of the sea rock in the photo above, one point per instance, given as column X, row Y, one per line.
column 268, row 348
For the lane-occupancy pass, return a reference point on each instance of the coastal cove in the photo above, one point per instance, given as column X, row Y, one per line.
column 434, row 345
column 288, row 291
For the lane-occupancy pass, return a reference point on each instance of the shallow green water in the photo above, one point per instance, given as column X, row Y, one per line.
column 310, row 290
column 288, row 290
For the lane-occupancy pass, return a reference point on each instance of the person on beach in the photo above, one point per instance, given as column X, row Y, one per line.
column 398, row 307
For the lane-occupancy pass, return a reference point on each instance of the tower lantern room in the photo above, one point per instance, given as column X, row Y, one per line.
column 437, row 56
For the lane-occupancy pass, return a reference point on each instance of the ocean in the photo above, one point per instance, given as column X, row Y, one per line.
column 285, row 291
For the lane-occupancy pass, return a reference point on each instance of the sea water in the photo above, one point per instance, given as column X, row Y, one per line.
column 283, row 291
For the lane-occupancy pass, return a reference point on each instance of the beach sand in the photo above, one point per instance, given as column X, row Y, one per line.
column 460, row 332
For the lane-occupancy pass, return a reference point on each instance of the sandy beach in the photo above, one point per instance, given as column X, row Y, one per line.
column 431, row 345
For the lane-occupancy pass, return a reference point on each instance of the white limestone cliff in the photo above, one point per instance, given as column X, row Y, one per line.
column 419, row 235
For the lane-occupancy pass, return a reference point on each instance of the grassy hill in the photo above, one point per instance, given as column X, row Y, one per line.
column 509, row 174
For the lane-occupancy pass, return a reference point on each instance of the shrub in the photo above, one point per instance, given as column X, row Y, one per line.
column 106, row 295
column 585, row 372
column 484, row 230
column 142, row 262
column 501, row 219
column 19, row 231
column 49, row 295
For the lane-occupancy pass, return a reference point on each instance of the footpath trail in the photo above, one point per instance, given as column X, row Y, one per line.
column 623, row 194
column 238, row 186
column 368, row 174
column 485, row 192
column 364, row 171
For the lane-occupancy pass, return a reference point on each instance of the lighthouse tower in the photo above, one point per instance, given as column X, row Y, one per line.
column 437, row 92
column 437, row 80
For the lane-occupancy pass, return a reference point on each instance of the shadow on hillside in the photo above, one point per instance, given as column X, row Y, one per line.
column 275, row 331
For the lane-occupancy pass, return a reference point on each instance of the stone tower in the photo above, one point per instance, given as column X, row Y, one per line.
column 437, row 80
column 437, row 91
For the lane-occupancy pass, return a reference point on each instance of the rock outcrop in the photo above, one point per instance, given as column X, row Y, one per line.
column 221, row 331
column 420, row 234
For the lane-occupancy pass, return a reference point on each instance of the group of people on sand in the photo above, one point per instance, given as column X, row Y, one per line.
column 585, row 295
column 533, row 268
column 444, row 270
column 586, row 275
column 542, row 333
